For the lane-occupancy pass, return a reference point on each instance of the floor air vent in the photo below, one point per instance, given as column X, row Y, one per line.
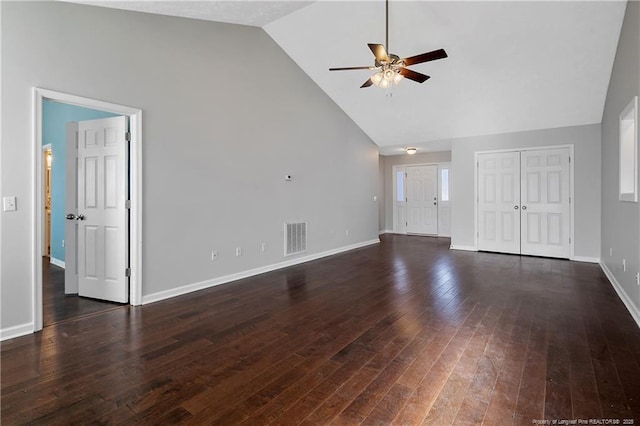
column 295, row 238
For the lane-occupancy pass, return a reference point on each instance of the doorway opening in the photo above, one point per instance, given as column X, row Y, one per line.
column 52, row 172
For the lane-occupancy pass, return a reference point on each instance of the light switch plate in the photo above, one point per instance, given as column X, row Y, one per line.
column 9, row 204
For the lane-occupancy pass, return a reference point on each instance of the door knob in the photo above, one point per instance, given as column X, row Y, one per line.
column 434, row 203
column 70, row 216
column 524, row 207
column 516, row 207
column 80, row 217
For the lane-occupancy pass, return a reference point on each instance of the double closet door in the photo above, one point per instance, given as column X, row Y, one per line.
column 524, row 202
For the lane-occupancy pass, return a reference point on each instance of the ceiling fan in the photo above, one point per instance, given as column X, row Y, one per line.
column 392, row 69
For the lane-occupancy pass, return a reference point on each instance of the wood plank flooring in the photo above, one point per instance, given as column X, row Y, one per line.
column 57, row 306
column 404, row 332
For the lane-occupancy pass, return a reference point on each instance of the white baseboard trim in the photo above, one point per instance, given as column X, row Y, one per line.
column 633, row 310
column 167, row 294
column 16, row 331
column 385, row 231
column 586, row 259
column 56, row 262
column 464, row 248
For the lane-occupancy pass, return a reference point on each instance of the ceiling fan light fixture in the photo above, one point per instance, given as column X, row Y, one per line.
column 384, row 83
column 397, row 78
column 376, row 78
column 411, row 150
column 389, row 74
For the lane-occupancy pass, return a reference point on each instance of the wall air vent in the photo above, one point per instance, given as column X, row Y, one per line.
column 295, row 238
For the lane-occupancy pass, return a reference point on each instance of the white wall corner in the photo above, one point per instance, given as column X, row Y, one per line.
column 463, row 248
column 16, row 331
column 385, row 231
column 633, row 310
column 178, row 291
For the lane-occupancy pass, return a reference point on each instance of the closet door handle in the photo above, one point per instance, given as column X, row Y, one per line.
column 516, row 207
column 524, row 207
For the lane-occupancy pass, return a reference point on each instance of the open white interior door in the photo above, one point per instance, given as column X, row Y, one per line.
column 102, row 213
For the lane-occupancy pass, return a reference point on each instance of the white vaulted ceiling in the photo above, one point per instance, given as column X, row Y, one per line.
column 512, row 66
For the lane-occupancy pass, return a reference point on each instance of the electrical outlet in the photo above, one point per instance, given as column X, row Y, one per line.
column 264, row 247
column 238, row 251
column 63, row 243
column 624, row 265
column 638, row 278
column 214, row 255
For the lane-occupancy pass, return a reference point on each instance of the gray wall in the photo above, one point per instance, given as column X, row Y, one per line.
column 396, row 160
column 226, row 114
column 586, row 141
column 621, row 220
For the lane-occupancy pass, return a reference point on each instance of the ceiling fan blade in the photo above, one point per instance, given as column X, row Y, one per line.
column 379, row 52
column 366, row 84
column 412, row 75
column 352, row 68
column 425, row 57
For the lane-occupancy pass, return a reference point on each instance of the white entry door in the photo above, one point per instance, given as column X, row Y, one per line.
column 546, row 208
column 499, row 202
column 422, row 199
column 102, row 249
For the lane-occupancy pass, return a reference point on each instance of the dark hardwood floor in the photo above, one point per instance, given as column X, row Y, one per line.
column 404, row 332
column 56, row 306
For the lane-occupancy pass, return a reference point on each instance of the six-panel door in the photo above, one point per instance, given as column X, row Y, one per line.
column 546, row 210
column 102, row 218
column 524, row 202
column 499, row 202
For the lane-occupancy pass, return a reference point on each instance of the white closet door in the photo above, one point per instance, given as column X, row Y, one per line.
column 545, row 205
column 499, row 202
column 422, row 200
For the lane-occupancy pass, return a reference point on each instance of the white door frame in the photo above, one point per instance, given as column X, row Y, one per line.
column 135, row 183
column 531, row 148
